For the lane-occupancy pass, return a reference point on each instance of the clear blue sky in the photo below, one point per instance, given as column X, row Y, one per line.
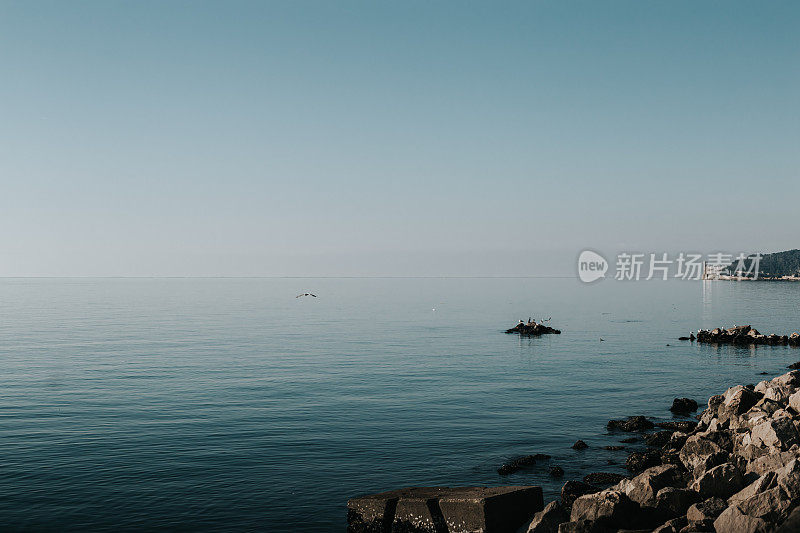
column 403, row 138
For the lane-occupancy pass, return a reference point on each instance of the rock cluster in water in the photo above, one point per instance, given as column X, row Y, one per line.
column 534, row 329
column 743, row 335
column 737, row 470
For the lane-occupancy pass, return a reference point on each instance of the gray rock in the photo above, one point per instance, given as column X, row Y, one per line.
column 721, row 438
column 674, row 501
column 788, row 479
column 794, row 402
column 659, row 438
column 739, row 400
column 764, row 482
column 789, row 379
column 792, row 524
column 732, row 520
column 672, row 526
column 771, row 462
column 766, row 406
column 699, row 454
column 779, row 433
column 610, row 508
column 583, row 526
column 547, row 520
column 771, row 505
column 574, row 489
column 722, row 481
column 639, row 461
column 678, row 425
column 706, row 510
column 643, row 489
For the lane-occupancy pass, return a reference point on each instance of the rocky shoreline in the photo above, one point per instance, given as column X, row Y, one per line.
column 735, row 468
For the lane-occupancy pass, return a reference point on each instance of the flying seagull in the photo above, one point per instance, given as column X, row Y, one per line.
column 306, row 294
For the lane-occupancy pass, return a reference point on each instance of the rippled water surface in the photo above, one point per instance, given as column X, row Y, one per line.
column 230, row 404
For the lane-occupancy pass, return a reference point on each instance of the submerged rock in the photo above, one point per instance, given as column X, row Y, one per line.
column 521, row 462
column 579, row 445
column 603, row 478
column 659, row 438
column 638, row 461
column 632, row 423
column 683, row 405
column 678, row 425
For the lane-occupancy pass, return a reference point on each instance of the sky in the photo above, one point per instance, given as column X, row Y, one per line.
column 410, row 138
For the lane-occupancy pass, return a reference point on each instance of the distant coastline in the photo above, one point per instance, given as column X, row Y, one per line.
column 778, row 266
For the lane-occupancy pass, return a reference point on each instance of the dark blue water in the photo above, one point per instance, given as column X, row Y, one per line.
column 229, row 404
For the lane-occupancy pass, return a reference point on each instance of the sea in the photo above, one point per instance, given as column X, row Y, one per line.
column 232, row 405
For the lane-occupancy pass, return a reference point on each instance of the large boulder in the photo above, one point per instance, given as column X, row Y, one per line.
column 672, row 501
column 788, row 479
column 572, row 490
column 771, row 462
column 672, row 526
column 643, row 489
column 610, row 508
column 722, row 481
column 739, row 399
column 764, row 482
column 732, row 520
column 547, row 520
column 794, row 402
column 790, row 380
column 707, row 510
column 792, row 524
column 699, row 454
column 775, row 432
column 771, row 505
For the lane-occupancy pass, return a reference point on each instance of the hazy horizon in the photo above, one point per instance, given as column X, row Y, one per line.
column 304, row 139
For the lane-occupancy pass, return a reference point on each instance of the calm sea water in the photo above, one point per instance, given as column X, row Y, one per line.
column 230, row 404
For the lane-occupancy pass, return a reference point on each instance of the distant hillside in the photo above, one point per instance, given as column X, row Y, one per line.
column 777, row 265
